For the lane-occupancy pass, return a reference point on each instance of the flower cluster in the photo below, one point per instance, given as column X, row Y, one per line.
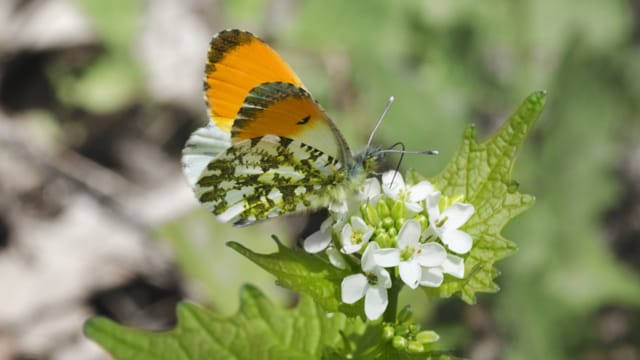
column 399, row 231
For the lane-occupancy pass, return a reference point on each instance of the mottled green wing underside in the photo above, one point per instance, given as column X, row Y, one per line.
column 266, row 177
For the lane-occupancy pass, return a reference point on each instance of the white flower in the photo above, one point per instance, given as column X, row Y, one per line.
column 394, row 187
column 355, row 235
column 446, row 224
column 370, row 190
column 320, row 239
column 372, row 285
column 411, row 256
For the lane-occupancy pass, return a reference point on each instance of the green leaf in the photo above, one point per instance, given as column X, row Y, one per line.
column 304, row 273
column 482, row 174
column 259, row 330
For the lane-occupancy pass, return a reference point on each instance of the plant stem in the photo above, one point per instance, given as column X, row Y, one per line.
column 392, row 308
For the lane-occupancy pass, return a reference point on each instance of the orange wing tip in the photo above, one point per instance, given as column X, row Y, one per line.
column 225, row 41
column 237, row 62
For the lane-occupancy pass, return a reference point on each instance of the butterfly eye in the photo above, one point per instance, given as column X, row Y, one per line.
column 304, row 120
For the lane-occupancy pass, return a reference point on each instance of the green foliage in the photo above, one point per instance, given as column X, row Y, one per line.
column 305, row 273
column 482, row 174
column 259, row 330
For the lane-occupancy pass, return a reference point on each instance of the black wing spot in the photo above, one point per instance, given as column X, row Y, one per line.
column 304, row 120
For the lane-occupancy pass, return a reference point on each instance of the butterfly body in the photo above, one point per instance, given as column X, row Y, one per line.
column 270, row 148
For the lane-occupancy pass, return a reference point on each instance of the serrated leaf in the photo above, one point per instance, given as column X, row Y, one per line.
column 259, row 330
column 482, row 174
column 304, row 273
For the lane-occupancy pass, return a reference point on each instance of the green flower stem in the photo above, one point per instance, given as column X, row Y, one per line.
column 392, row 309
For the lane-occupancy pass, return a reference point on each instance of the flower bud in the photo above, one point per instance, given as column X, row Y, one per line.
column 388, row 223
column 399, row 342
column 402, row 330
column 388, row 332
column 427, row 336
column 405, row 314
column 398, row 211
column 383, row 209
column 370, row 215
column 415, row 347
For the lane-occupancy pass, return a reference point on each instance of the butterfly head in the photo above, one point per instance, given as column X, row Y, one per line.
column 367, row 161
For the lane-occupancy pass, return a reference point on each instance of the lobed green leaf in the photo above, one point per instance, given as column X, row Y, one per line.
column 481, row 172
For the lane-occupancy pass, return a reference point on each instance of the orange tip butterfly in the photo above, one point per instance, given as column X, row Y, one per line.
column 269, row 149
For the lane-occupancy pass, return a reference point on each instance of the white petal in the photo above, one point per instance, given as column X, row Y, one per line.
column 431, row 254
column 387, row 257
column 430, row 233
column 457, row 214
column 353, row 288
column 367, row 262
column 371, row 188
column 420, row 191
column 351, row 248
column 367, row 235
column 335, row 258
column 317, row 241
column 409, row 234
column 433, row 206
column 454, row 265
column 431, row 277
column 457, row 241
column 358, row 224
column 410, row 272
column 346, row 235
column 375, row 302
column 413, row 206
column 392, row 184
column 384, row 279
column 326, row 224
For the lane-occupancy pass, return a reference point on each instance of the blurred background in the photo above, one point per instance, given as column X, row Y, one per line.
column 98, row 97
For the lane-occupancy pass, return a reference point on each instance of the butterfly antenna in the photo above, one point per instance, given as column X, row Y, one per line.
column 384, row 113
column 402, row 152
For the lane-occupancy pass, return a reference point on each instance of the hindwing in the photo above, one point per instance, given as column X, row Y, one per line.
column 264, row 177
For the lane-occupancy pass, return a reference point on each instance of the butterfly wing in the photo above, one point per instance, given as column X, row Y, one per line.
column 269, row 176
column 237, row 62
column 204, row 145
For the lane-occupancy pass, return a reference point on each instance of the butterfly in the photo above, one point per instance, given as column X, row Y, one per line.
column 269, row 148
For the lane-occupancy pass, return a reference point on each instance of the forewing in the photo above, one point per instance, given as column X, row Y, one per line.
column 237, row 62
column 266, row 177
